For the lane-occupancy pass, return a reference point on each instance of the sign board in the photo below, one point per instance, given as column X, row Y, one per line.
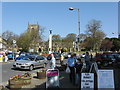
column 87, row 81
column 105, row 79
column 52, row 78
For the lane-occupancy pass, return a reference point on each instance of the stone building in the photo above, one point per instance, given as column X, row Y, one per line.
column 32, row 27
column 34, row 47
column 2, row 43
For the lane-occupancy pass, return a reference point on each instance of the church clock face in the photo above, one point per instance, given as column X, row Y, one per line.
column 32, row 27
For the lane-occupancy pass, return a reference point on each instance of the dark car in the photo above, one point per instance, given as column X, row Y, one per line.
column 56, row 55
column 105, row 59
column 117, row 57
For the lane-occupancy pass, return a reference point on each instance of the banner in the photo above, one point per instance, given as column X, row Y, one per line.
column 52, row 78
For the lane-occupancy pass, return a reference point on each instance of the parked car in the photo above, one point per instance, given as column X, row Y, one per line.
column 104, row 59
column 30, row 63
column 67, row 55
column 117, row 57
column 11, row 56
column 32, row 54
column 23, row 54
column 21, row 57
column 56, row 55
column 82, row 55
column 29, row 54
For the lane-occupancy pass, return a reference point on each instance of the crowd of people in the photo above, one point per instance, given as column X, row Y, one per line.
column 76, row 66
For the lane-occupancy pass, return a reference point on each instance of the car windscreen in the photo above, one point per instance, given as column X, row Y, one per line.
column 25, row 58
column 29, row 58
column 110, row 56
column 32, row 54
column 39, row 58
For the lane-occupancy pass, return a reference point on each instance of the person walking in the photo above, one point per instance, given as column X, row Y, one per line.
column 78, row 67
column 6, row 58
column 52, row 62
column 87, row 61
column 61, row 59
column 71, row 65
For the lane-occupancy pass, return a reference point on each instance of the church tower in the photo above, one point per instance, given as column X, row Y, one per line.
column 32, row 27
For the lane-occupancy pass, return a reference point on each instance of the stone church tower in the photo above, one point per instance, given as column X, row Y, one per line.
column 34, row 47
column 32, row 27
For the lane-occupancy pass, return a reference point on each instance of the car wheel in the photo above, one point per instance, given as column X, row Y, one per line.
column 31, row 68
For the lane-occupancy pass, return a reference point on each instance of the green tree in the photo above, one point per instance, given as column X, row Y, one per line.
column 56, row 38
column 30, row 39
column 67, row 42
column 56, row 42
column 116, row 44
column 24, row 41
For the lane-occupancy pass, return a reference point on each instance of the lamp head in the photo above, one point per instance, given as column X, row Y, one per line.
column 71, row 8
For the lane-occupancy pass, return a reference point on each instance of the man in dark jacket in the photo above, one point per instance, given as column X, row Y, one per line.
column 78, row 67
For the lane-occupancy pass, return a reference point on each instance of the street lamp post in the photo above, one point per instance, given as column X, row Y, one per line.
column 78, row 39
column 14, row 44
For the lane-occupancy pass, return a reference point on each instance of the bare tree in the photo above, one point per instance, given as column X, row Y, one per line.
column 9, row 36
column 95, row 33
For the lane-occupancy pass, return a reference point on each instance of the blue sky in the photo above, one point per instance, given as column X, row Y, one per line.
column 57, row 16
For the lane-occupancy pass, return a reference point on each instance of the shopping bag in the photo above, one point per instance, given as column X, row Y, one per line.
column 67, row 70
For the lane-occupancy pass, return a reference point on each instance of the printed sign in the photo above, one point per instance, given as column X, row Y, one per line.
column 105, row 79
column 87, row 81
column 52, row 79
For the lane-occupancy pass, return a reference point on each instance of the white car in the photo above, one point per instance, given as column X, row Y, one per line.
column 31, row 62
column 82, row 55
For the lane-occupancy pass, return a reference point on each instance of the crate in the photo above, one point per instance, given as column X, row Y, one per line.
column 41, row 75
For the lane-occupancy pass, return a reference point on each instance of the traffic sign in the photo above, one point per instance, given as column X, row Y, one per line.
column 14, row 41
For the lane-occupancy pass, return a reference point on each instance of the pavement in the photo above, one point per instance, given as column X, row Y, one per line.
column 63, row 79
column 41, row 83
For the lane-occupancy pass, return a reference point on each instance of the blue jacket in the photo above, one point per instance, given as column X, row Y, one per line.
column 71, row 62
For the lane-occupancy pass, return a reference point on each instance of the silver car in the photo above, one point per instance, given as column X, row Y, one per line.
column 31, row 62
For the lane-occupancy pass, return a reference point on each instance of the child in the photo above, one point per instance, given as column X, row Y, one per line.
column 78, row 67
